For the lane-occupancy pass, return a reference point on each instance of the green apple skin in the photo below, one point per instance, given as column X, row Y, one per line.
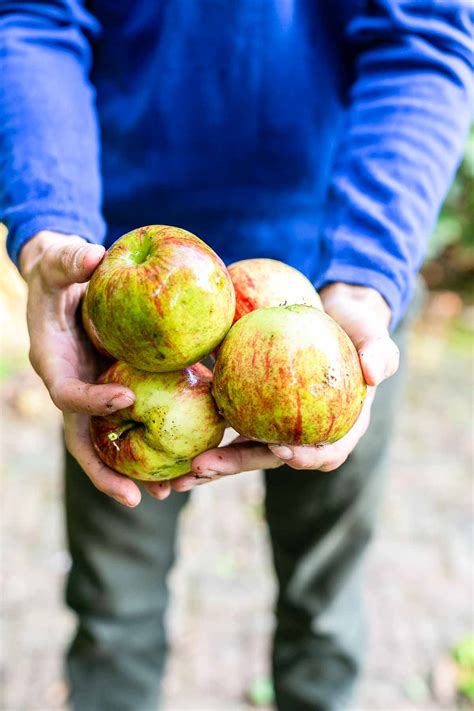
column 174, row 418
column 261, row 283
column 90, row 330
column 289, row 375
column 161, row 299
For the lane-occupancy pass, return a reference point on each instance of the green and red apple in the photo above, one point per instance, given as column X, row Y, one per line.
column 161, row 299
column 174, row 418
column 289, row 375
column 261, row 283
column 89, row 328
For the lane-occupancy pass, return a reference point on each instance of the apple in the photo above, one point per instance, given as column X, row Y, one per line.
column 161, row 299
column 261, row 283
column 89, row 328
column 174, row 418
column 289, row 375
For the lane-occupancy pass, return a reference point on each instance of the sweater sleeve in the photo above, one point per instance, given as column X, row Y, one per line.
column 49, row 144
column 409, row 112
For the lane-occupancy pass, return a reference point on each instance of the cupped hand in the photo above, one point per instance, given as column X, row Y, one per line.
column 56, row 268
column 365, row 316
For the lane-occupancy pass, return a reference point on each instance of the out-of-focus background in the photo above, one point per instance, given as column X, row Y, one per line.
column 419, row 587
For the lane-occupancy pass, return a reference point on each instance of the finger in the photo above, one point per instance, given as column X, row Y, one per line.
column 366, row 323
column 71, row 263
column 379, row 358
column 233, row 459
column 378, row 354
column 158, row 489
column 329, row 456
column 323, row 458
column 72, row 395
column 184, row 483
column 189, row 481
column 78, row 442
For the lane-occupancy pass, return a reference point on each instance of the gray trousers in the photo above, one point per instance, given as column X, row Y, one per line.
column 319, row 524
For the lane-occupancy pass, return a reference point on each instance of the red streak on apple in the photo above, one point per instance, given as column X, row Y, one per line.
column 298, row 430
column 332, row 420
column 289, row 375
column 262, row 283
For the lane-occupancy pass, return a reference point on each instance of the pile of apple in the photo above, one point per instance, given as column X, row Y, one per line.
column 160, row 301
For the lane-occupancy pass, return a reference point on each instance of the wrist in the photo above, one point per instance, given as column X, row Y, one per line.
column 33, row 251
column 337, row 294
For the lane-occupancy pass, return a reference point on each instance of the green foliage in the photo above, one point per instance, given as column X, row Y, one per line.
column 463, row 654
column 9, row 366
column 456, row 222
column 261, row 693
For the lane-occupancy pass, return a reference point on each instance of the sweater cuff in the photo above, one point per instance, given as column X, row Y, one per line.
column 367, row 277
column 19, row 234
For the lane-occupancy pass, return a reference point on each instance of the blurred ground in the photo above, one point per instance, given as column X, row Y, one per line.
column 419, row 582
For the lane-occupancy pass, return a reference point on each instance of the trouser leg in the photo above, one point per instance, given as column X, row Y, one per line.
column 117, row 587
column 320, row 525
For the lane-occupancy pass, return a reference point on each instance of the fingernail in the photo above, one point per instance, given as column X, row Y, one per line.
column 91, row 249
column 79, row 255
column 96, row 248
column 119, row 402
column 282, row 452
column 207, row 474
column 122, row 500
column 187, row 484
column 205, row 479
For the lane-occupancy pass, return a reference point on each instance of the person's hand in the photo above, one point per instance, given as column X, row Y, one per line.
column 56, row 268
column 365, row 316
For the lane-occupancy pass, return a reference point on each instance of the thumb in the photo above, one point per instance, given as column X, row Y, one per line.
column 364, row 315
column 72, row 263
column 379, row 357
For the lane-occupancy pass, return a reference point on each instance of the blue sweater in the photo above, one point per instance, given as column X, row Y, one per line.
column 322, row 133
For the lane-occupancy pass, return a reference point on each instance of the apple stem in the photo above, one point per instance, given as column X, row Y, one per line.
column 116, row 434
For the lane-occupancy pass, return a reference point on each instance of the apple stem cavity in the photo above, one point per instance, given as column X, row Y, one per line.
column 117, row 433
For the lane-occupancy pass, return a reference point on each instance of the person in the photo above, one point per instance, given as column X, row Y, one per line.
column 322, row 134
